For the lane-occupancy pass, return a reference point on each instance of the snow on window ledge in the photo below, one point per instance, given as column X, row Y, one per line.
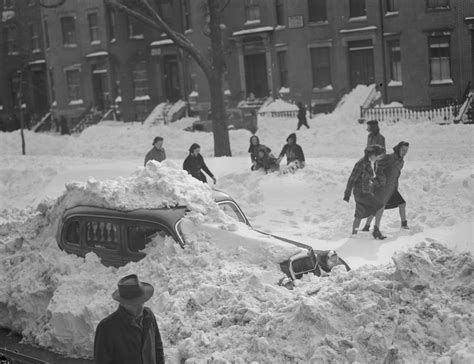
column 193, row 94
column 70, row 45
column 252, row 22
column 113, row 40
column 54, row 104
column 284, row 90
column 35, row 51
column 95, row 42
column 394, row 83
column 322, row 89
column 280, row 27
column 76, row 102
column 358, row 18
column 447, row 81
column 142, row 98
column 118, row 99
column 227, row 92
column 188, row 31
column 319, row 22
column 391, row 13
column 1, row 107
column 138, row 36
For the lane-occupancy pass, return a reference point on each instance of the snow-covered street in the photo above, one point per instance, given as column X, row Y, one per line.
column 412, row 292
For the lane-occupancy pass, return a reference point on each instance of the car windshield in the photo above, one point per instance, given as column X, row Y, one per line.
column 232, row 211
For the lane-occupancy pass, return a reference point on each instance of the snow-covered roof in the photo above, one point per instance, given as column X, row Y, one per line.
column 371, row 27
column 252, row 31
column 158, row 43
column 97, row 54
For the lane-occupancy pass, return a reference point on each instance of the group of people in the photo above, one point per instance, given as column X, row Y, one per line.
column 194, row 163
column 262, row 158
column 375, row 189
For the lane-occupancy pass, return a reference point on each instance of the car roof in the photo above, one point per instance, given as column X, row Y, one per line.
column 169, row 215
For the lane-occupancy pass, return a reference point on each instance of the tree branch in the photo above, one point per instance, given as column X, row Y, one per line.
column 133, row 13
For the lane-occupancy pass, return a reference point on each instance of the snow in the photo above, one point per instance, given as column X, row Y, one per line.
column 393, row 83
column 407, row 297
column 447, row 81
column 76, row 102
column 193, row 94
column 252, row 31
column 97, row 54
column 142, row 98
column 371, row 27
column 161, row 42
column 156, row 115
column 278, row 105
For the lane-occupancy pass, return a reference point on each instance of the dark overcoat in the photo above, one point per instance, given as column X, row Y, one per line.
column 387, row 173
column 120, row 340
column 193, row 165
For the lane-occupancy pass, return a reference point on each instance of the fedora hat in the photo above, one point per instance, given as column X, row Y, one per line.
column 131, row 291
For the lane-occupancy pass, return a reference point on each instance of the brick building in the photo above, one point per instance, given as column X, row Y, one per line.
column 22, row 63
column 419, row 53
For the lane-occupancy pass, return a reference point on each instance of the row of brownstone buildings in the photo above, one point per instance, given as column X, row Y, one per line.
column 85, row 55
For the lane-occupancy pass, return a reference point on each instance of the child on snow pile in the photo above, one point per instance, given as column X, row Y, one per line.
column 265, row 160
column 253, row 150
column 294, row 154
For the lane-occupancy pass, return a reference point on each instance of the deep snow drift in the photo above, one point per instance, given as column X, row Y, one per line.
column 213, row 306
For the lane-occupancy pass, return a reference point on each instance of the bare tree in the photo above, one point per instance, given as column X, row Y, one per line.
column 212, row 65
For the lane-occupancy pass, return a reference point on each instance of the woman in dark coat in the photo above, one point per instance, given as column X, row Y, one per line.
column 293, row 152
column 253, row 150
column 361, row 184
column 194, row 162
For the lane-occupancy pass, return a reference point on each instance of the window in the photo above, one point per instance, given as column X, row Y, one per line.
column 7, row 4
column 111, row 22
column 73, row 231
column 73, row 80
column 317, row 10
column 93, row 28
column 140, row 236
column 10, row 34
column 252, row 10
column 357, row 8
column 35, row 43
column 102, row 234
column 282, row 68
column 320, row 66
column 140, row 79
column 439, row 58
column 135, row 28
column 68, row 28
column 186, row 14
column 46, row 33
column 392, row 6
column 437, row 4
column 395, row 60
column 231, row 210
column 280, row 12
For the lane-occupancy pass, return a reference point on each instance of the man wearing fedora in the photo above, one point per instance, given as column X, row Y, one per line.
column 157, row 153
column 130, row 334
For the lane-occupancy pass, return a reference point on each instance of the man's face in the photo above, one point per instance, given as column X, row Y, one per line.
column 136, row 310
column 403, row 151
column 197, row 151
column 159, row 144
column 290, row 141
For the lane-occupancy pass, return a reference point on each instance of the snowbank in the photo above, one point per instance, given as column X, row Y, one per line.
column 157, row 115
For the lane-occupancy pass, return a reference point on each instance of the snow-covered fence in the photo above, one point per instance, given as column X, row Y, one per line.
column 441, row 114
column 279, row 114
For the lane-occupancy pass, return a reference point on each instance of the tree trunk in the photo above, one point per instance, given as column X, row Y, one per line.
column 219, row 125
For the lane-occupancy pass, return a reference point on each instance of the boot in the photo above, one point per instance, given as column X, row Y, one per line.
column 405, row 225
column 377, row 234
column 366, row 228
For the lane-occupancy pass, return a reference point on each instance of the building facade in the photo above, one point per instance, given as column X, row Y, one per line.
column 22, row 64
column 91, row 57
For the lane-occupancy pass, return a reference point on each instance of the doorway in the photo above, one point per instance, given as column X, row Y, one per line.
column 361, row 63
column 40, row 94
column 256, row 74
column 171, row 78
column 100, row 85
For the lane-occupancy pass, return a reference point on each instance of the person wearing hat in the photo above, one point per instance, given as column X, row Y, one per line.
column 157, row 153
column 194, row 164
column 374, row 136
column 294, row 152
column 130, row 334
column 360, row 183
column 387, row 173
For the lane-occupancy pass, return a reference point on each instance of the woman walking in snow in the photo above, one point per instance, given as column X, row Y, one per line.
column 361, row 184
column 195, row 162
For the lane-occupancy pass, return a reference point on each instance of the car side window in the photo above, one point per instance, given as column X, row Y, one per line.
column 231, row 210
column 102, row 234
column 140, row 235
column 73, row 232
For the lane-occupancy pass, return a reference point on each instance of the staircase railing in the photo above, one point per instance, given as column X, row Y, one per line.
column 463, row 108
column 46, row 118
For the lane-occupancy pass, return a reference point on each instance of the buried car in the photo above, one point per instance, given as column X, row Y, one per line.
column 118, row 237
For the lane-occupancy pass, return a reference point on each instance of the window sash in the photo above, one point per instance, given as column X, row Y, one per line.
column 140, row 79
column 395, row 61
column 135, row 28
column 252, row 11
column 281, row 56
column 11, row 35
column 440, row 62
column 280, row 12
column 35, row 44
column 46, row 33
column 317, row 10
column 112, row 21
column 357, row 8
column 320, row 66
column 437, row 4
column 73, row 85
column 392, row 5
column 93, row 27
column 69, row 30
